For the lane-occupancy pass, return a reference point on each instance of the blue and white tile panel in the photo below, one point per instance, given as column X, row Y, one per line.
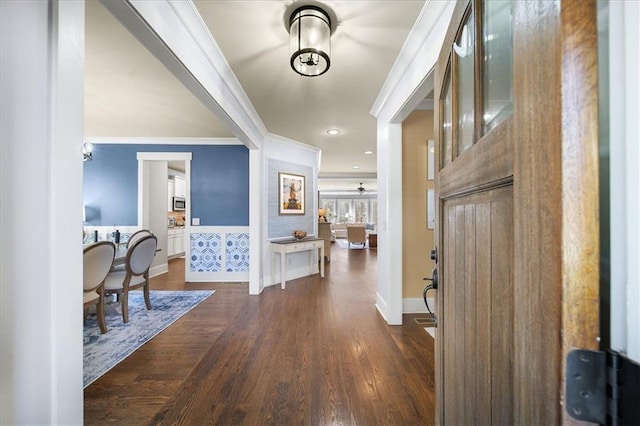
column 218, row 253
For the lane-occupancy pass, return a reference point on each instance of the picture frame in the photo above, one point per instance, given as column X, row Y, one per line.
column 431, row 159
column 291, row 194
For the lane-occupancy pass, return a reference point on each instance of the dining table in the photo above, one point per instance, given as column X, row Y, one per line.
column 121, row 254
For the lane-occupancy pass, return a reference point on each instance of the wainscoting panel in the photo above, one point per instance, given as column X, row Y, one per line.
column 218, row 253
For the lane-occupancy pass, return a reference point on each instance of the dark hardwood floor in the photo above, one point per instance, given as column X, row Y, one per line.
column 316, row 353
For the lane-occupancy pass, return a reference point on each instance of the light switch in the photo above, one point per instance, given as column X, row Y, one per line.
column 195, row 221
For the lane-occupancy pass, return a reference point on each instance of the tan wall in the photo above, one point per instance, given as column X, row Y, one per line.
column 417, row 239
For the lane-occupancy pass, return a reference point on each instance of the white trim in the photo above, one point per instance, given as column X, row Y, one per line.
column 624, row 169
column 163, row 141
column 293, row 274
column 41, row 109
column 381, row 306
column 418, row 55
column 292, row 143
column 256, row 201
column 164, row 156
column 406, row 85
column 158, row 270
column 175, row 33
column 213, row 277
column 220, row 276
column 168, row 156
column 415, row 305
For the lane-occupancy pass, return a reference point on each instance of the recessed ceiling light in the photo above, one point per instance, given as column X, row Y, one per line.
column 355, row 166
column 368, row 152
column 333, row 132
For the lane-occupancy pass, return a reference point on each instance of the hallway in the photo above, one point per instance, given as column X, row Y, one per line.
column 315, row 353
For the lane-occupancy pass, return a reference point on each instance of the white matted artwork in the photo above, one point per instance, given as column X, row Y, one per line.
column 291, row 195
column 431, row 209
column 431, row 159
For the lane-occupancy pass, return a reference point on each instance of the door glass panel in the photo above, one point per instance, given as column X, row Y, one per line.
column 464, row 47
column 497, row 62
column 447, row 122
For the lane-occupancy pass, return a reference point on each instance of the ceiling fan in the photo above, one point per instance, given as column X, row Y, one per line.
column 361, row 188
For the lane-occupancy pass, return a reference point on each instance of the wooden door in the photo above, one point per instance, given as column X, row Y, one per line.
column 516, row 130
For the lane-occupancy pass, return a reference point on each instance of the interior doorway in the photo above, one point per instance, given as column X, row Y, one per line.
column 154, row 201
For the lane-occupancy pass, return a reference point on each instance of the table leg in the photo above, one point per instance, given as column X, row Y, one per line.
column 273, row 268
column 322, row 261
column 283, row 270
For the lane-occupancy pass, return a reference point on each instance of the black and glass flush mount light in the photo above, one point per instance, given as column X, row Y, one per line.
column 310, row 40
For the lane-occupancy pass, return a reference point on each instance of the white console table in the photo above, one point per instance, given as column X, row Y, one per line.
column 292, row 246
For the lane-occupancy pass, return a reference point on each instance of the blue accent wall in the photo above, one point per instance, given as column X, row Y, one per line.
column 219, row 183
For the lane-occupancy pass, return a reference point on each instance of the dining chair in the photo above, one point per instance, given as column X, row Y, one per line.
column 135, row 275
column 132, row 239
column 138, row 235
column 97, row 260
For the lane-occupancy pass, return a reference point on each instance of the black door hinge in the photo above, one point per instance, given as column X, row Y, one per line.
column 602, row 387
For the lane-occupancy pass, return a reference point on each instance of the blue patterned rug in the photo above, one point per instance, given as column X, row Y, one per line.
column 103, row 351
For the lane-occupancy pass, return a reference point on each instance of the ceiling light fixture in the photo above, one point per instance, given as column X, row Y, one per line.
column 87, row 151
column 361, row 188
column 368, row 152
column 333, row 132
column 310, row 40
column 355, row 166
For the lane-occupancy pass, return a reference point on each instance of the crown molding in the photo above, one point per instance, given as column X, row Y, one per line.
column 163, row 141
column 416, row 59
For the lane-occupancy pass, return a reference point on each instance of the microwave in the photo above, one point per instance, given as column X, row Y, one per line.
column 179, row 204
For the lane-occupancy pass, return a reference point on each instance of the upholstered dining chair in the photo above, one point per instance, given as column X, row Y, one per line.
column 135, row 275
column 97, row 260
column 132, row 239
column 356, row 235
column 138, row 235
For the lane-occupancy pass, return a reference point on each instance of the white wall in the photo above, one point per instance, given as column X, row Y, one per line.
column 41, row 108
column 279, row 148
column 155, row 210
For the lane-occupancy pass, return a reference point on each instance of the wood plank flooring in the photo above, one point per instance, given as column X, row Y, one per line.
column 316, row 353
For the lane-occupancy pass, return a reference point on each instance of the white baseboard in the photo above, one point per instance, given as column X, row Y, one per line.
column 292, row 274
column 204, row 277
column 158, row 270
column 381, row 306
column 416, row 305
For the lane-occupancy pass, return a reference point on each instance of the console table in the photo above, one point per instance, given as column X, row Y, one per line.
column 293, row 246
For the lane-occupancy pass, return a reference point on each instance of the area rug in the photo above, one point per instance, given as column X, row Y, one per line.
column 342, row 242
column 103, row 351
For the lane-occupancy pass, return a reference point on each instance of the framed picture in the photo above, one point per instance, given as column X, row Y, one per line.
column 290, row 194
column 431, row 159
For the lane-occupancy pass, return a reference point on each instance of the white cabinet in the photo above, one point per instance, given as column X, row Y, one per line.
column 170, row 192
column 175, row 242
column 180, row 188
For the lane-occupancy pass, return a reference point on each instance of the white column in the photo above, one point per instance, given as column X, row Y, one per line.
column 41, row 111
column 389, row 295
column 256, row 218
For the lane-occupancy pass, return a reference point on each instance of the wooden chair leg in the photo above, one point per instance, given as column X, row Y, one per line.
column 125, row 306
column 100, row 316
column 145, row 291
